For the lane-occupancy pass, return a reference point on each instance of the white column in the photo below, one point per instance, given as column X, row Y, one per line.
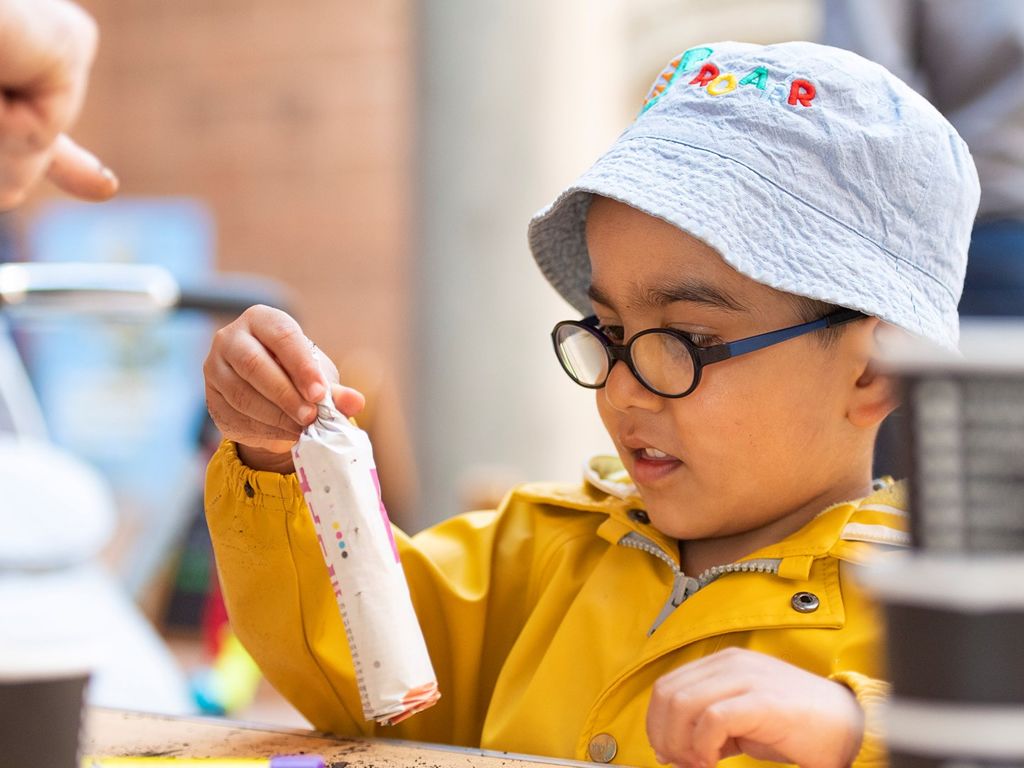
column 515, row 100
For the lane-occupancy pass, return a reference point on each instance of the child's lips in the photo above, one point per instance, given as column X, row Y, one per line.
column 651, row 465
column 653, row 454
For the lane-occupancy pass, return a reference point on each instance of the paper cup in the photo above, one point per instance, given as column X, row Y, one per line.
column 933, row 735
column 954, row 607
column 967, row 493
column 964, row 430
column 42, row 694
column 954, row 627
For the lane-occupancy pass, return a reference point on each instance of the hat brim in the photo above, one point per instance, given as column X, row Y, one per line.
column 760, row 229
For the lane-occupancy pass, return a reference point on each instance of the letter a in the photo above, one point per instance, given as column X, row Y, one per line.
column 758, row 77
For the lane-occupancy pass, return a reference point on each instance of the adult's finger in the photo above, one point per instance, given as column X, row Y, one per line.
column 17, row 177
column 79, row 172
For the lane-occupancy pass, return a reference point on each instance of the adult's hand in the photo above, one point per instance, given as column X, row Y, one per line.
column 263, row 383
column 46, row 50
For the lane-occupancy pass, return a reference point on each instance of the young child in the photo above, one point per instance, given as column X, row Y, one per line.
column 735, row 252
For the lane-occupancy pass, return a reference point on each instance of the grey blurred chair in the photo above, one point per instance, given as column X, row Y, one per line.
column 58, row 513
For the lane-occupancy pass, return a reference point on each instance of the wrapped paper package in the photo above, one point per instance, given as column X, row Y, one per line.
column 335, row 467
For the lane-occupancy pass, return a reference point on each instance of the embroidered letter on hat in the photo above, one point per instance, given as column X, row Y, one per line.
column 707, row 73
column 802, row 91
column 692, row 56
column 668, row 75
column 758, row 77
column 722, row 84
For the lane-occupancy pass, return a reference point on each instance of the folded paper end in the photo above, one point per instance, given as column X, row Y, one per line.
column 416, row 700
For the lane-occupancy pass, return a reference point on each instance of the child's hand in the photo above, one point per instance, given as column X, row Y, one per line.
column 263, row 383
column 738, row 701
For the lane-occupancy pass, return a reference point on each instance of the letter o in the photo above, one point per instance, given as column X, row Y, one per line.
column 729, row 81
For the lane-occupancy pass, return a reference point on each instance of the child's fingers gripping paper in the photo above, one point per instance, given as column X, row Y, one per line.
column 334, row 463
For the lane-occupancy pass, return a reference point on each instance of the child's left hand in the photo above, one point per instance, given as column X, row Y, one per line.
column 738, row 701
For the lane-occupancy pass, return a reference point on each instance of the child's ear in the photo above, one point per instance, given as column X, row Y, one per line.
column 875, row 394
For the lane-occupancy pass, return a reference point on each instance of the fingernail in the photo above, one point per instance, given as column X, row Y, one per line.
column 306, row 414
column 315, row 392
column 108, row 174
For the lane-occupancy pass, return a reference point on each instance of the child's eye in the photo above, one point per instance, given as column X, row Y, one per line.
column 702, row 339
column 614, row 333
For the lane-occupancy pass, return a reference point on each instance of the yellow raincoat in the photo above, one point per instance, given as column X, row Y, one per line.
column 538, row 615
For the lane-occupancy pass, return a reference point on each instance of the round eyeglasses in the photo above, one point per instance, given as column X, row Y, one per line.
column 664, row 360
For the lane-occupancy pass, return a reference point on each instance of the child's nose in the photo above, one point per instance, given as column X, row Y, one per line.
column 624, row 391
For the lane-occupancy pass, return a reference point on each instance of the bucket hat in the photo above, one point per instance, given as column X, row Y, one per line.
column 807, row 168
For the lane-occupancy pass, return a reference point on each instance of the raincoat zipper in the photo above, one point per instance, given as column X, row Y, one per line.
column 684, row 586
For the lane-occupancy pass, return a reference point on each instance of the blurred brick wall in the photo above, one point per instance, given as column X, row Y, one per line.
column 293, row 121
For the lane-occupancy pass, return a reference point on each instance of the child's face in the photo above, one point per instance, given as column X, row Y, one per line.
column 764, row 442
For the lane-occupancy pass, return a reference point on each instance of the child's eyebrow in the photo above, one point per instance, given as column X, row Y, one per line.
column 688, row 289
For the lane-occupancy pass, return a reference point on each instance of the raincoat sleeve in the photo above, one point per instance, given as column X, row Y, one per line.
column 858, row 664
column 871, row 694
column 282, row 608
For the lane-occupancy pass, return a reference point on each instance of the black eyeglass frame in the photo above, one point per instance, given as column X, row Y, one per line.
column 701, row 356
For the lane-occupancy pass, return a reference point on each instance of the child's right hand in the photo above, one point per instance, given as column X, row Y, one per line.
column 263, row 384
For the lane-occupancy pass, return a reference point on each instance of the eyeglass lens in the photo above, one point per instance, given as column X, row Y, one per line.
column 582, row 355
column 661, row 360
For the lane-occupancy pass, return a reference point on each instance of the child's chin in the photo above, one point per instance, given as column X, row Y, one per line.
column 668, row 522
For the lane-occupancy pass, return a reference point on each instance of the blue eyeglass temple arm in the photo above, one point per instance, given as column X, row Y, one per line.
column 743, row 346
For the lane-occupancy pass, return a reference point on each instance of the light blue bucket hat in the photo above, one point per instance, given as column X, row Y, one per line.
column 808, row 168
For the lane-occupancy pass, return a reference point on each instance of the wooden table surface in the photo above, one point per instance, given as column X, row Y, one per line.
column 118, row 733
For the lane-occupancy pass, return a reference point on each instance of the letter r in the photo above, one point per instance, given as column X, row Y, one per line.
column 801, row 91
column 707, row 73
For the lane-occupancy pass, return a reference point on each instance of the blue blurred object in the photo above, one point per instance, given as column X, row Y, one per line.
column 128, row 397
column 994, row 286
column 228, row 685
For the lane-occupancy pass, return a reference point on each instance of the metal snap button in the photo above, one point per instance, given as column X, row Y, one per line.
column 602, row 748
column 639, row 516
column 805, row 602
column 249, row 491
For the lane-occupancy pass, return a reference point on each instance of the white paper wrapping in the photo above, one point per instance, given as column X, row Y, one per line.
column 334, row 463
